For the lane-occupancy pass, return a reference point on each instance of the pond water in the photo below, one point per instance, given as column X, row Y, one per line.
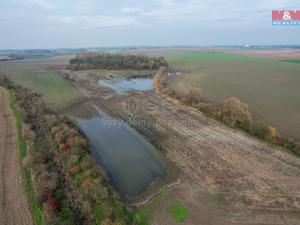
column 122, row 85
column 123, row 152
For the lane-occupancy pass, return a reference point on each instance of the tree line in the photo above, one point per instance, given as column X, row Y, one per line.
column 85, row 61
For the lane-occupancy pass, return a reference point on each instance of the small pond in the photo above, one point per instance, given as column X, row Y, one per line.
column 122, row 85
column 123, row 152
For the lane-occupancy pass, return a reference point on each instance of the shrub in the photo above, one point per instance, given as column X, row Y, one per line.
column 108, row 222
column 53, row 182
column 38, row 199
column 107, row 209
column 52, row 121
column 74, row 150
column 74, row 159
column 46, row 180
column 272, row 134
column 245, row 125
column 54, row 130
column 59, row 136
column 234, row 111
column 265, row 133
column 73, row 133
column 74, row 170
column 210, row 109
column 62, row 140
column 87, row 163
column 57, row 220
column 39, row 158
column 159, row 81
column 192, row 96
column 53, row 203
column 46, row 194
column 64, row 147
column 26, row 134
column 79, row 142
column 48, row 212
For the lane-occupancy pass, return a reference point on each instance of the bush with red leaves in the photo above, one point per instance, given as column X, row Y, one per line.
column 26, row 135
column 64, row 147
column 53, row 203
column 62, row 140
column 46, row 195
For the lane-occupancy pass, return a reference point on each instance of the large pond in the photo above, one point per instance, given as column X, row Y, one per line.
column 123, row 152
column 122, row 85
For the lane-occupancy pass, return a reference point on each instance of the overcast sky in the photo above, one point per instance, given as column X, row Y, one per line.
column 91, row 23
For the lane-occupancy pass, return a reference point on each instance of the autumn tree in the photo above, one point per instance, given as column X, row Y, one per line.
column 234, row 112
column 192, row 96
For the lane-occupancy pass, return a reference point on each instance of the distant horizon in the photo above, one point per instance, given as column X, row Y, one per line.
column 53, row 24
column 157, row 46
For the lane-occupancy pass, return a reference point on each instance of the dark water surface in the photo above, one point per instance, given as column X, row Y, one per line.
column 123, row 152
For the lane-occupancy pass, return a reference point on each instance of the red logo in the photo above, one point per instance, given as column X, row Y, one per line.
column 286, row 15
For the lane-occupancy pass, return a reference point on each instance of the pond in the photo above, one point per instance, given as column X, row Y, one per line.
column 125, row 154
column 122, row 85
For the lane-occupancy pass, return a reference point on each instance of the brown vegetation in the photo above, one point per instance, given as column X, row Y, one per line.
column 232, row 112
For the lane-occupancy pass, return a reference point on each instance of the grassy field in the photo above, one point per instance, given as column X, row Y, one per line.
column 178, row 212
column 293, row 61
column 56, row 92
column 207, row 56
column 270, row 87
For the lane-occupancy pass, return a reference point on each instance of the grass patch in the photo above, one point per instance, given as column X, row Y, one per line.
column 292, row 61
column 178, row 212
column 36, row 210
column 142, row 218
column 19, row 124
column 39, row 57
column 56, row 91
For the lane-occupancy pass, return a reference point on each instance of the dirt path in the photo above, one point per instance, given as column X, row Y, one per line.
column 14, row 209
column 149, row 200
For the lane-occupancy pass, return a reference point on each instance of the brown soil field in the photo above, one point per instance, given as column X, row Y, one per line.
column 227, row 177
column 14, row 209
